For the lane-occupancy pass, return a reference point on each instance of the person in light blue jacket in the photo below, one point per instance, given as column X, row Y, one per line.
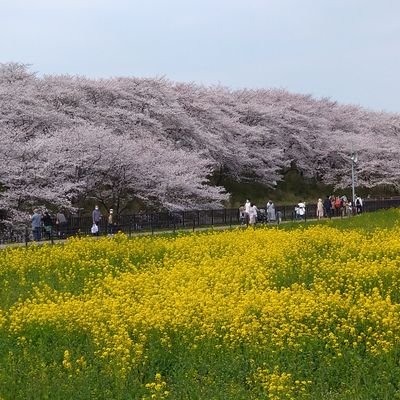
column 36, row 220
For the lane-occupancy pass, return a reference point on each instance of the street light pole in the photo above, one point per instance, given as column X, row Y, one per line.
column 353, row 162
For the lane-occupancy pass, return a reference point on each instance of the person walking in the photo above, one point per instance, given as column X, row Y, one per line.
column 328, row 207
column 301, row 210
column 61, row 223
column 253, row 215
column 247, row 207
column 270, row 209
column 111, row 222
column 320, row 209
column 96, row 217
column 359, row 205
column 36, row 221
column 47, row 224
column 333, row 200
column 338, row 206
column 242, row 215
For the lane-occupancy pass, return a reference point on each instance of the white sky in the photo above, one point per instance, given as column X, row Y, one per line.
column 347, row 50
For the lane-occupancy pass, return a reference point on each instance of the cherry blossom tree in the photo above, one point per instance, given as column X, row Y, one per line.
column 114, row 169
column 87, row 162
column 68, row 138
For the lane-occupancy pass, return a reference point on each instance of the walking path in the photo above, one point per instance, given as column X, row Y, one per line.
column 160, row 232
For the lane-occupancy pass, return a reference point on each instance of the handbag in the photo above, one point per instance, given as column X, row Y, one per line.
column 94, row 229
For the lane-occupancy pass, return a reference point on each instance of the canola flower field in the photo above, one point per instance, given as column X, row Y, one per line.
column 302, row 312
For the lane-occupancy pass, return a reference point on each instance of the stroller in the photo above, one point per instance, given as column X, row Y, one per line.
column 262, row 215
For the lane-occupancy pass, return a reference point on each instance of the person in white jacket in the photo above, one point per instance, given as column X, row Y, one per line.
column 301, row 210
column 253, row 215
column 247, row 208
column 320, row 209
column 270, row 211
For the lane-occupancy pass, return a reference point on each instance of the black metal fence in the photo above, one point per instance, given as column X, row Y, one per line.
column 170, row 221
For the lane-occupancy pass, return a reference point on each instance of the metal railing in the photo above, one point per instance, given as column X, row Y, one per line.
column 170, row 221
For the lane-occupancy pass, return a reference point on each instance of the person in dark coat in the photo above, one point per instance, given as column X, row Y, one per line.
column 328, row 207
column 96, row 217
column 47, row 224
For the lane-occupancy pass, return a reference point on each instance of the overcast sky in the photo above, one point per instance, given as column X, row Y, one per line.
column 347, row 50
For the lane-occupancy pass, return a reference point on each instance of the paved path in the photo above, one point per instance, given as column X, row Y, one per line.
column 149, row 233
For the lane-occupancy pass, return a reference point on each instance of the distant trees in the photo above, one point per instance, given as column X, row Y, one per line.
column 67, row 138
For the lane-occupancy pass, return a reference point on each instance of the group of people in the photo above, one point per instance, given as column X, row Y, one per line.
column 300, row 210
column 249, row 213
column 43, row 224
column 338, row 206
column 97, row 218
column 332, row 206
column 46, row 226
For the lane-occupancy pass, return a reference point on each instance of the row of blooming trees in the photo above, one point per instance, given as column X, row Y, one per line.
column 66, row 138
